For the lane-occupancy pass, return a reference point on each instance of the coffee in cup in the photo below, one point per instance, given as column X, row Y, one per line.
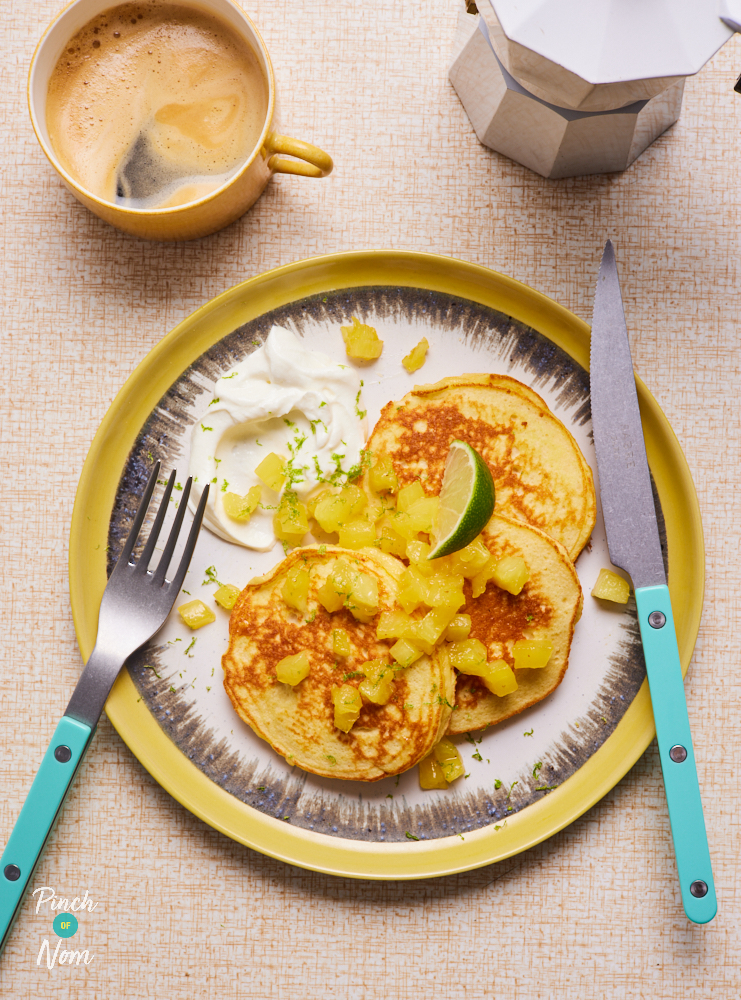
column 159, row 116
column 153, row 105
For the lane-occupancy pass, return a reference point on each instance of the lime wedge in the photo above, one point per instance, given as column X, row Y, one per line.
column 466, row 500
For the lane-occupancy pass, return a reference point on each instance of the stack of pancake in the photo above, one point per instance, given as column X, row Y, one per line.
column 545, row 512
column 298, row 721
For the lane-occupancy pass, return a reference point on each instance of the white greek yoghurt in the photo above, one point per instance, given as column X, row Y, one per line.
column 286, row 399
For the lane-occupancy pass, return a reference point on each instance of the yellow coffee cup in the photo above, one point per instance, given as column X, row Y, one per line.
column 273, row 153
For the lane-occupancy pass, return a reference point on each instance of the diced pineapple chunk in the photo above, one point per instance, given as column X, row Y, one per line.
column 394, row 625
column 419, row 643
column 417, row 553
column 500, row 679
column 459, row 628
column 227, row 595
column 405, row 525
column 196, row 614
column 362, row 601
column 361, row 341
column 378, row 685
column 511, row 574
column 333, row 593
column 480, row 579
column 355, row 498
column 416, row 357
column 429, row 630
column 292, row 669
column 313, row 502
column 392, row 542
column 291, row 520
column 296, row 588
column 447, row 756
column 405, row 652
column 346, row 587
column 611, row 587
column 431, row 774
column 357, row 534
column 341, row 645
column 375, row 509
column 436, row 590
column 412, row 590
column 241, row 508
column 382, row 477
column 347, row 705
column 332, row 511
column 469, row 561
column 443, row 591
column 468, row 655
column 408, row 495
column 272, row 471
column 422, row 513
column 532, row 654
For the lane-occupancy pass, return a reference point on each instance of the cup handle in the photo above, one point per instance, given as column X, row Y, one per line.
column 310, row 160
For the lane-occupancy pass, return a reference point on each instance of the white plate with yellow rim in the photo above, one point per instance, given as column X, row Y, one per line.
column 528, row 777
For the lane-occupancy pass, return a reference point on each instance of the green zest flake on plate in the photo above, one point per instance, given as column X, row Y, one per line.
column 210, row 574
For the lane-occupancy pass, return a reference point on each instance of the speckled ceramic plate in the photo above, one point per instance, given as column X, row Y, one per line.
column 526, row 778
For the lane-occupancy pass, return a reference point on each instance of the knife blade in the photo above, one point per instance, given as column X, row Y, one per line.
column 634, row 545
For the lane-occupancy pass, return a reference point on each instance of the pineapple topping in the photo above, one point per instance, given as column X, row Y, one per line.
column 427, row 612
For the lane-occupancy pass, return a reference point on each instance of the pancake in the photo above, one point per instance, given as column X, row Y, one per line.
column 540, row 474
column 298, row 722
column 548, row 606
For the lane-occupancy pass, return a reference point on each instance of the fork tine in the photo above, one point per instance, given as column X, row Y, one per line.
column 161, row 571
column 190, row 545
column 138, row 518
column 146, row 555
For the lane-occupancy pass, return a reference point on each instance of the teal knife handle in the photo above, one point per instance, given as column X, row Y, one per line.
column 39, row 812
column 673, row 731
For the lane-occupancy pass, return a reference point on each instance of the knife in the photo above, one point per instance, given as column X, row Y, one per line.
column 633, row 541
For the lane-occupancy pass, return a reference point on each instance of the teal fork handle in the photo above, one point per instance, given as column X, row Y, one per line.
column 676, row 753
column 39, row 812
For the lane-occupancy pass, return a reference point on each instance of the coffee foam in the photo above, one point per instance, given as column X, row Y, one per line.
column 153, row 104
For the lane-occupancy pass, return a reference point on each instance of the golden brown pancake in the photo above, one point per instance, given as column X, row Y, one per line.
column 540, row 474
column 298, row 722
column 548, row 606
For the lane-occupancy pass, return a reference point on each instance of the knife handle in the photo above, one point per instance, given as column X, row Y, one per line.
column 38, row 815
column 676, row 753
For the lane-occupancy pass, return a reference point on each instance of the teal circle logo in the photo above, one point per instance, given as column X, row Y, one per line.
column 65, row 924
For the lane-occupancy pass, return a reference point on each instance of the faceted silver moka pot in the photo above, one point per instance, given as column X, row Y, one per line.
column 570, row 87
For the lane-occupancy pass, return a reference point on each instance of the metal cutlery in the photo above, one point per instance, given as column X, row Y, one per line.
column 135, row 605
column 633, row 540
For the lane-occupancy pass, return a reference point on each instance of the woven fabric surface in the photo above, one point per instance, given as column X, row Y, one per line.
column 183, row 912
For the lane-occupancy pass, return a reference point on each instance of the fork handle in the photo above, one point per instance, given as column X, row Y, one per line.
column 38, row 815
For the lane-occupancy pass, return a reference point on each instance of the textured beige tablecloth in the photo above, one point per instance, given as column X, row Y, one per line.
column 183, row 912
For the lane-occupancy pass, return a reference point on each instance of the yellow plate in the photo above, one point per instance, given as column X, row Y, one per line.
column 140, row 730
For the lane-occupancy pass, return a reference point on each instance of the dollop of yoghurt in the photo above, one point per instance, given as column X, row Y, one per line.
column 286, row 399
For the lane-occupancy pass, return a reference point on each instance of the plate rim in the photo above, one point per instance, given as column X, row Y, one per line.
column 99, row 482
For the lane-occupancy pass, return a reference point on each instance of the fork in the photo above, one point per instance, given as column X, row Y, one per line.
column 135, row 605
